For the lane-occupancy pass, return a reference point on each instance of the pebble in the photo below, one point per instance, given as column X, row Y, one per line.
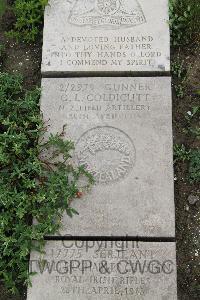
column 193, row 199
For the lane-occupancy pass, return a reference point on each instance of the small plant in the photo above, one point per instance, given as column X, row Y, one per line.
column 29, row 19
column 194, row 166
column 184, row 21
column 180, row 75
column 191, row 117
column 181, row 153
column 191, row 156
column 195, row 112
column 37, row 180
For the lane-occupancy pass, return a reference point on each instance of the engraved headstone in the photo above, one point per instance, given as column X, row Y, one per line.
column 106, row 35
column 123, row 135
column 94, row 270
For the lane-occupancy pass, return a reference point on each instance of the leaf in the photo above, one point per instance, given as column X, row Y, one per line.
column 31, row 187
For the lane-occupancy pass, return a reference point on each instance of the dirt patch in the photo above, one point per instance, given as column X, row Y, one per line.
column 5, row 296
column 20, row 57
column 187, row 215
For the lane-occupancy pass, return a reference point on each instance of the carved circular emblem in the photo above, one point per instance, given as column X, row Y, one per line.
column 108, row 7
column 107, row 152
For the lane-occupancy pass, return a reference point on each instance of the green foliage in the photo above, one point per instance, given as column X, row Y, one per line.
column 192, row 117
column 184, row 21
column 2, row 7
column 194, row 166
column 179, row 73
column 37, row 180
column 192, row 114
column 192, row 156
column 180, row 153
column 29, row 19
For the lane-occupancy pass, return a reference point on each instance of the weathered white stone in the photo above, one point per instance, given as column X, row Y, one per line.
column 123, row 133
column 116, row 270
column 106, row 36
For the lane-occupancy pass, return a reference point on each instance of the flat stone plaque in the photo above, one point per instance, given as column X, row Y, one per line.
column 106, row 36
column 122, row 129
column 94, row 270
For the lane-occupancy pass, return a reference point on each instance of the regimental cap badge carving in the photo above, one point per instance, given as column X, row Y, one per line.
column 107, row 13
column 107, row 7
column 107, row 153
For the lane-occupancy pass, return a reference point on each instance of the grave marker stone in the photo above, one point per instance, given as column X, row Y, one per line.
column 122, row 131
column 109, row 270
column 106, row 36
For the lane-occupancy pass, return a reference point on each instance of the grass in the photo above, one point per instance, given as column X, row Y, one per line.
column 2, row 7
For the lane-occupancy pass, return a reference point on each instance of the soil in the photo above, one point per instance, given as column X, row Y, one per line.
column 187, row 215
column 20, row 57
column 26, row 59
